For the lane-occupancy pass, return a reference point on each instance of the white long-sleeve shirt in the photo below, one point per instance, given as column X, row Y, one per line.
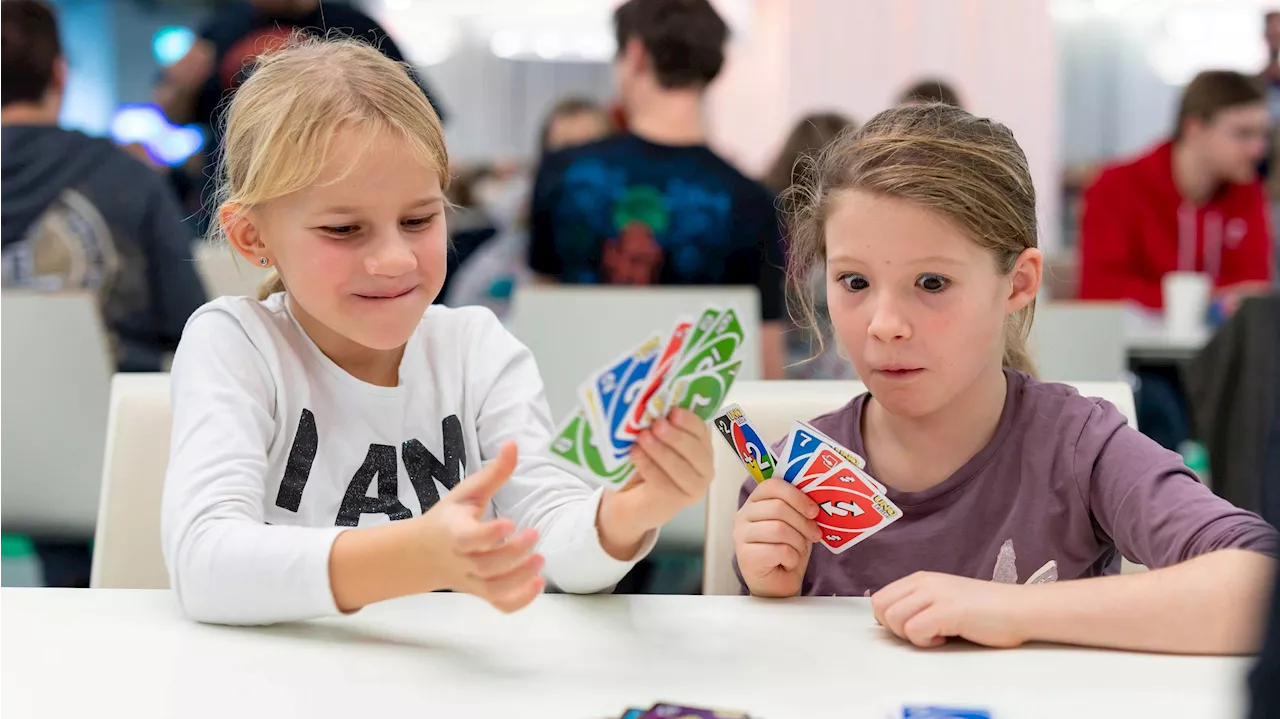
column 276, row 450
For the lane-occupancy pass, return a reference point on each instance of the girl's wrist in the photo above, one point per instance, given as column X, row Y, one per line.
column 379, row 563
column 620, row 537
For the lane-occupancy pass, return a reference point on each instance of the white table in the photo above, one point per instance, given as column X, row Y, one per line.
column 1147, row 337
column 92, row 653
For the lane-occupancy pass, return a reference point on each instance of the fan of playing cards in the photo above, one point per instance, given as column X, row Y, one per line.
column 851, row 504
column 693, row 367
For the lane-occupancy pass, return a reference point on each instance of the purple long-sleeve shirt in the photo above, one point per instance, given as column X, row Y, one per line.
column 1062, row 490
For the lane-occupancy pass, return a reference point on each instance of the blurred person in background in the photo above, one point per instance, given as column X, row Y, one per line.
column 1193, row 203
column 654, row 205
column 79, row 213
column 808, row 356
column 930, row 90
column 1270, row 77
column 492, row 272
column 193, row 89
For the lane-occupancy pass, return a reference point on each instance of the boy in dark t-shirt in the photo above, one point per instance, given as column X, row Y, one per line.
column 654, row 205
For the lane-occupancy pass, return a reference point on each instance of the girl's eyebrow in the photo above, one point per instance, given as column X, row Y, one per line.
column 352, row 209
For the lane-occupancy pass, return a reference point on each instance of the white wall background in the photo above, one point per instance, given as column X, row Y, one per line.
column 1123, row 64
column 858, row 55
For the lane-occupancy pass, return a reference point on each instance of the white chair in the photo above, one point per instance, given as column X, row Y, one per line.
column 1080, row 341
column 127, row 552
column 226, row 273
column 772, row 407
column 57, row 371
column 574, row 330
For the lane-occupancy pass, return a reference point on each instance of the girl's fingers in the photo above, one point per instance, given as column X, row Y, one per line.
column 504, row 557
column 776, row 509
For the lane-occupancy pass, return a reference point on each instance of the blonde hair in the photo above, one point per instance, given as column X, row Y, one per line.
column 282, row 119
column 967, row 169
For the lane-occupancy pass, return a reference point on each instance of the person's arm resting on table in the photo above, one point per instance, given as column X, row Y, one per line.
column 1212, row 569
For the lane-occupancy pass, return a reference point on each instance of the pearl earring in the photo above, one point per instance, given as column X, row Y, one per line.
column 262, row 261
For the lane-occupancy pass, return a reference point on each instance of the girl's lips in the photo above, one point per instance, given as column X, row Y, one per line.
column 899, row 372
column 386, row 295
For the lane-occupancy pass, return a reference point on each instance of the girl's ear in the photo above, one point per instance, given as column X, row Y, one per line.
column 1025, row 280
column 242, row 234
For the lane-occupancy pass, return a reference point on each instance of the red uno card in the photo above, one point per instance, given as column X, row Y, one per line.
column 820, row 462
column 634, row 422
column 850, row 508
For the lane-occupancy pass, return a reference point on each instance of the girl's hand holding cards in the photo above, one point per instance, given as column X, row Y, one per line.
column 487, row 558
column 926, row 608
column 673, row 469
column 773, row 537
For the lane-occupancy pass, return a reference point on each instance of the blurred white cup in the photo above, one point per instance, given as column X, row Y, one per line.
column 1186, row 302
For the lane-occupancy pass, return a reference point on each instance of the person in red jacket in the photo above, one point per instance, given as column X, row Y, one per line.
column 1193, row 203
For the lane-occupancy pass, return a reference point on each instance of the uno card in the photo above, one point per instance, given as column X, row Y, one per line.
column 799, row 445
column 701, row 393
column 600, row 388
column 819, row 463
column 844, row 452
column 850, row 508
column 706, row 322
column 673, row 711
column 614, row 442
column 635, row 419
column 746, row 442
column 705, row 351
column 936, row 712
column 848, row 454
column 601, row 393
column 574, row 449
column 803, row 441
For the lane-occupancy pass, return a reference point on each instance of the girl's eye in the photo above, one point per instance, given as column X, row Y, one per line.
column 417, row 223
column 340, row 230
column 932, row 283
column 854, row 282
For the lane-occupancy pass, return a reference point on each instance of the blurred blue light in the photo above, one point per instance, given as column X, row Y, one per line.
column 147, row 126
column 170, row 43
column 137, row 123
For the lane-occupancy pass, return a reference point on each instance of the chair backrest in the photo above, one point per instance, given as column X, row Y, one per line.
column 57, row 372
column 772, row 407
column 574, row 330
column 127, row 552
column 226, row 274
column 1079, row 341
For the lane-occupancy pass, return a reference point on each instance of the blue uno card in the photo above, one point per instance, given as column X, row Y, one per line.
column 624, row 393
column 800, row 445
column 600, row 389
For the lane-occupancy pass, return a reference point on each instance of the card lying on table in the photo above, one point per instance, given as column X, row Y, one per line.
column 691, row 367
column 675, row 711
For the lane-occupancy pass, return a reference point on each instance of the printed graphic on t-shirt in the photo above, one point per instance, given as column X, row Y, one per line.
column 637, row 232
column 1006, row 571
column 374, row 488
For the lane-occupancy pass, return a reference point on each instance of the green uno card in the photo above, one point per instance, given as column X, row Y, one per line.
column 572, row 446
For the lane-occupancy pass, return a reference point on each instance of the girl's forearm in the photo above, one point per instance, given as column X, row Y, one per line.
column 1213, row 604
column 375, row 564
